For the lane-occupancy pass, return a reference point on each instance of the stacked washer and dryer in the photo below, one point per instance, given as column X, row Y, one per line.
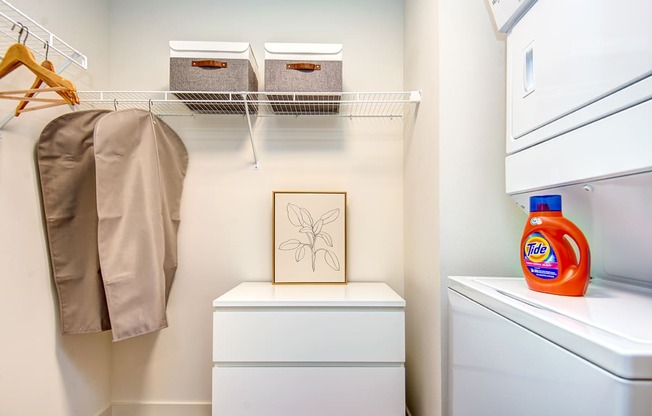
column 579, row 124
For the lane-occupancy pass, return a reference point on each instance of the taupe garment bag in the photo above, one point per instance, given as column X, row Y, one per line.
column 140, row 164
column 67, row 172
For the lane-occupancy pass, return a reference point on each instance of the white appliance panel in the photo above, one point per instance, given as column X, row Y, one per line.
column 501, row 368
column 614, row 146
column 608, row 327
column 571, row 63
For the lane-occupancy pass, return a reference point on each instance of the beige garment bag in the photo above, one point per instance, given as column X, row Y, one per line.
column 111, row 184
column 67, row 173
column 140, row 167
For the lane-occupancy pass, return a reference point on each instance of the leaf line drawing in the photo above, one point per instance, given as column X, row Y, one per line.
column 314, row 232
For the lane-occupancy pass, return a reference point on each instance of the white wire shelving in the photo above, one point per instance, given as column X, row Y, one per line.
column 256, row 104
column 261, row 104
column 37, row 38
column 17, row 27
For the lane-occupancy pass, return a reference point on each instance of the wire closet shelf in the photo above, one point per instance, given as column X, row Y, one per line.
column 184, row 103
column 41, row 41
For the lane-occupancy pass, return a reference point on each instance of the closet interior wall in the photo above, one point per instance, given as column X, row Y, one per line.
column 42, row 372
column 480, row 227
column 421, row 215
column 451, row 54
column 226, row 235
column 458, row 219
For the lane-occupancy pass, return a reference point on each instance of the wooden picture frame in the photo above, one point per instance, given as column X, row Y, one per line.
column 309, row 237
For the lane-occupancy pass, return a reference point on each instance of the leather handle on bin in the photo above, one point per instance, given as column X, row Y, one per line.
column 209, row 64
column 303, row 66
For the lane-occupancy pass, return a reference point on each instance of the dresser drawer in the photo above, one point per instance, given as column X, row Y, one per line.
column 314, row 391
column 304, row 334
column 257, row 322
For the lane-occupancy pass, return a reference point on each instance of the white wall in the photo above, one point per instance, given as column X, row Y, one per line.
column 225, row 235
column 454, row 178
column 41, row 372
column 480, row 228
column 421, row 205
column 371, row 31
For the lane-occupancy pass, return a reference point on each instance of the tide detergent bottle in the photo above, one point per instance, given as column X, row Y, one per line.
column 548, row 258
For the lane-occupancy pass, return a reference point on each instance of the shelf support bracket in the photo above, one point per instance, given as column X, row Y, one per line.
column 251, row 133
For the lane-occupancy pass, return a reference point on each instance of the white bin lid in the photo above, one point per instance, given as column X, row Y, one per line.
column 211, row 49
column 316, row 51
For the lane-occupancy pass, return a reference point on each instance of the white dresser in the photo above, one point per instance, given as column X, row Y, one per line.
column 318, row 350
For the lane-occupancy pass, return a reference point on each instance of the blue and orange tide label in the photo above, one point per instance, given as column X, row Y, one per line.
column 539, row 257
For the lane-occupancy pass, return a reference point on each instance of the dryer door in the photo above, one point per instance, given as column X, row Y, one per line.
column 570, row 63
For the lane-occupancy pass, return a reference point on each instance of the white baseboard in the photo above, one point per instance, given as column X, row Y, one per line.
column 160, row 409
column 105, row 412
column 164, row 409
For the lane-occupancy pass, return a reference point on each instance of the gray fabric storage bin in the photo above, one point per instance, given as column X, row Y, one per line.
column 303, row 67
column 213, row 66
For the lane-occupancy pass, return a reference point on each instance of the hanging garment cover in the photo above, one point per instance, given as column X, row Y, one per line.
column 140, row 167
column 67, row 173
column 112, row 215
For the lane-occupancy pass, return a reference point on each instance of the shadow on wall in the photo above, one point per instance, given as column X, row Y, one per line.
column 85, row 371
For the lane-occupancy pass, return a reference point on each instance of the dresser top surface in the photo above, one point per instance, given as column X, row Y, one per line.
column 266, row 294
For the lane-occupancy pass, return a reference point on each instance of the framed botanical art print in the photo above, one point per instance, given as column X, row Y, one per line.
column 309, row 237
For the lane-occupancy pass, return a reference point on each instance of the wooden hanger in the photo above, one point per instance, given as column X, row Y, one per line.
column 18, row 54
column 47, row 64
column 35, row 87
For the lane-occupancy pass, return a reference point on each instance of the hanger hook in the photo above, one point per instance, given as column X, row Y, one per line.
column 20, row 32
column 26, row 34
column 115, row 104
column 150, row 105
column 47, row 49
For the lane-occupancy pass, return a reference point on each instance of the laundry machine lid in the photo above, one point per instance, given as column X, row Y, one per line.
column 609, row 326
